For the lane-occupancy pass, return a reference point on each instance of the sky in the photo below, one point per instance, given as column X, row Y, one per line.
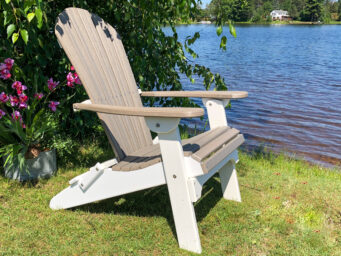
column 205, row 2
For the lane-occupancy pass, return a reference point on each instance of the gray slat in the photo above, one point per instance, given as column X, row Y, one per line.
column 214, row 144
column 97, row 53
column 151, row 155
column 209, row 136
column 219, row 156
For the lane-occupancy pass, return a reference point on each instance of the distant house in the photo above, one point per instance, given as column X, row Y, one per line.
column 280, row 15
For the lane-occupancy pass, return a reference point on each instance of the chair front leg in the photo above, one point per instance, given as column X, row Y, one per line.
column 176, row 178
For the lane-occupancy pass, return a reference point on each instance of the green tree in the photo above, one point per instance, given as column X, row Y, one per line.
column 221, row 9
column 240, row 10
column 313, row 10
column 326, row 12
column 267, row 8
column 339, row 10
column 236, row 10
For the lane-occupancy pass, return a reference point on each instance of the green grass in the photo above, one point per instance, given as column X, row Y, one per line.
column 288, row 208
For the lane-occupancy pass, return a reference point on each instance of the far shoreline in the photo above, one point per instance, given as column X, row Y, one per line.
column 263, row 23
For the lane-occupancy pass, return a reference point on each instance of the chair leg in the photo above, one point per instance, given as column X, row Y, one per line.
column 184, row 215
column 229, row 182
column 176, row 179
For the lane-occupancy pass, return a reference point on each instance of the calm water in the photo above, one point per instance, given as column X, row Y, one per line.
column 293, row 76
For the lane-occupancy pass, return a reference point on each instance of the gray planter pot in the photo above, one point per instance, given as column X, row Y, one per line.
column 43, row 166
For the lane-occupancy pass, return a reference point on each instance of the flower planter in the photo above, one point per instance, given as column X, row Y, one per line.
column 43, row 166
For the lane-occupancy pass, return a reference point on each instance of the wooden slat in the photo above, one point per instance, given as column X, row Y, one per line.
column 148, row 151
column 97, row 53
column 141, row 111
column 195, row 143
column 152, row 155
column 214, row 144
column 220, row 155
column 146, row 159
column 198, row 94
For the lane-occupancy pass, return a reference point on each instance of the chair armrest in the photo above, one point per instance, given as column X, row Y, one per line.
column 197, row 94
column 83, row 102
column 141, row 111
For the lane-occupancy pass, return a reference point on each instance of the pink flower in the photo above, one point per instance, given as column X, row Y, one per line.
column 16, row 84
column 70, row 77
column 77, row 80
column 14, row 100
column 2, row 113
column 16, row 115
column 9, row 63
column 38, row 96
column 53, row 105
column 23, row 98
column 52, row 84
column 72, row 68
column 3, row 97
column 4, row 72
column 70, row 80
column 19, row 87
column 22, row 101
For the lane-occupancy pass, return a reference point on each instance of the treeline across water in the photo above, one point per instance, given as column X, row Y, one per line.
column 259, row 10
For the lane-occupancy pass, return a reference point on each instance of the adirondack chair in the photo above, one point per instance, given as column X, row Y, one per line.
column 96, row 51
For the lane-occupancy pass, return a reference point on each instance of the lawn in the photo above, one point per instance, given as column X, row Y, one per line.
column 288, row 208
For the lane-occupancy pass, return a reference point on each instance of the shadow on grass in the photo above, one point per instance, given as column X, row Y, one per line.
column 155, row 202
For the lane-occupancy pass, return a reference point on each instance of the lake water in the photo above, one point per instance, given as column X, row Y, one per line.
column 293, row 76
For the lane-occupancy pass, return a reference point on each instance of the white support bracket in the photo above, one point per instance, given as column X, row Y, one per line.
column 216, row 112
column 195, row 188
column 85, row 181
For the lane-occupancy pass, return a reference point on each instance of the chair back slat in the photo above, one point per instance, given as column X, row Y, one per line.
column 96, row 51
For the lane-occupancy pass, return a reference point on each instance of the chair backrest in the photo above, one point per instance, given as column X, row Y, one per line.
column 97, row 53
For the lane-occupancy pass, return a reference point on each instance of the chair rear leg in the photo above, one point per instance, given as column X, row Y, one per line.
column 229, row 182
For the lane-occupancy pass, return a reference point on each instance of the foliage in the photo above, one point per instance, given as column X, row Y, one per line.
column 312, row 11
column 202, row 14
column 236, row 10
column 37, row 53
column 259, row 10
column 27, row 122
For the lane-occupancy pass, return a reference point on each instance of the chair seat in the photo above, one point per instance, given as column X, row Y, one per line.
column 208, row 148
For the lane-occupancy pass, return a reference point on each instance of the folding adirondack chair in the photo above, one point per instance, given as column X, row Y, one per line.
column 96, row 51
